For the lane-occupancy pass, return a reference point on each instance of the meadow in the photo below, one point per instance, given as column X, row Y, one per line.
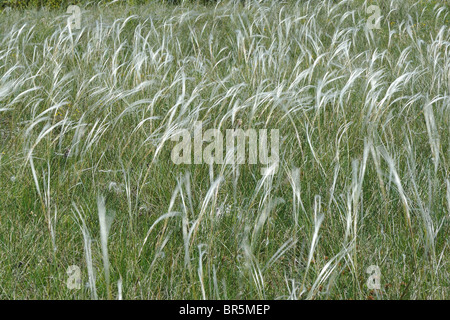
column 88, row 187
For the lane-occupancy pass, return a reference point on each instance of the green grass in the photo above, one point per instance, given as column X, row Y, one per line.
column 363, row 177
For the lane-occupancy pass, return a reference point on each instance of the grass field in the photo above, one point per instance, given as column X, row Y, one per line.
column 88, row 116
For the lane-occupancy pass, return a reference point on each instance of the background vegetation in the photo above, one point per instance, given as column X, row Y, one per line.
column 86, row 178
column 58, row 4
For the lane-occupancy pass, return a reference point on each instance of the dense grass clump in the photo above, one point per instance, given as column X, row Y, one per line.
column 88, row 116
